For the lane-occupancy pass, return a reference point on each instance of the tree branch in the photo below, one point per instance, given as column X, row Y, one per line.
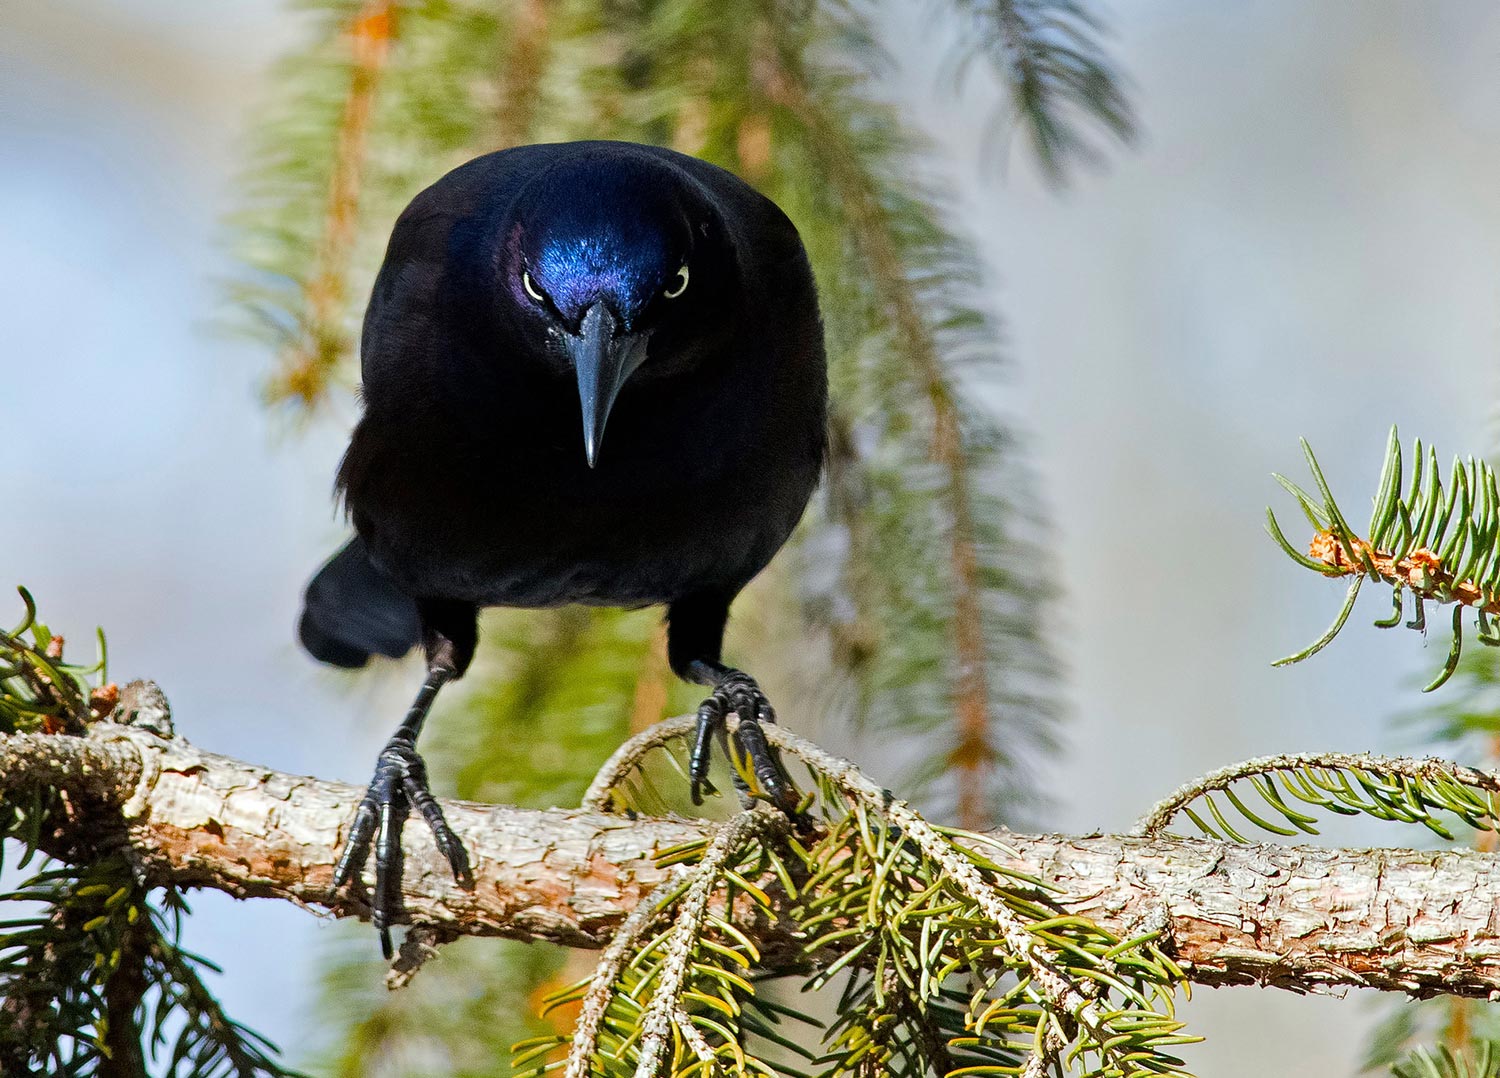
column 1300, row 918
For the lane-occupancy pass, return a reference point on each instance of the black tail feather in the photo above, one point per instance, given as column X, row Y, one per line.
column 351, row 611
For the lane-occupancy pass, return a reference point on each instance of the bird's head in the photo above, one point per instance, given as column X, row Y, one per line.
column 619, row 261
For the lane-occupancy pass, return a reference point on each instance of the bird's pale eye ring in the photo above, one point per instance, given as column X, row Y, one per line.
column 531, row 289
column 678, row 285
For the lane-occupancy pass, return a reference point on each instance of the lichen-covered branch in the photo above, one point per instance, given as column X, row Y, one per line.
column 1300, row 918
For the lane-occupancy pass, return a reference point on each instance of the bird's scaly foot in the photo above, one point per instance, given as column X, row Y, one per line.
column 399, row 785
column 737, row 692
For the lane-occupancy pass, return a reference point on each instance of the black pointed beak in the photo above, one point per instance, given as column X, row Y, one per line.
column 603, row 357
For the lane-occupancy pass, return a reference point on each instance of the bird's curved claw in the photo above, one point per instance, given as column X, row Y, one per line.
column 738, row 692
column 399, row 785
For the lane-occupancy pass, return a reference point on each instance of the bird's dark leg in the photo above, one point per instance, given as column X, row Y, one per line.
column 400, row 782
column 695, row 637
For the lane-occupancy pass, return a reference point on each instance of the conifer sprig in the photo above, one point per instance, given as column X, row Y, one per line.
column 950, row 962
column 93, row 978
column 1439, row 543
column 1295, row 787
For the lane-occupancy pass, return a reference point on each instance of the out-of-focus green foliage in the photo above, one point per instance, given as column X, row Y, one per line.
column 1049, row 56
column 1482, row 1062
column 473, row 1000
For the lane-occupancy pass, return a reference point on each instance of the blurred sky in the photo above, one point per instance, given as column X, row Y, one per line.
column 1306, row 242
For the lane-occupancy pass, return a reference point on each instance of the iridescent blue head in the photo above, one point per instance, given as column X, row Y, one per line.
column 601, row 250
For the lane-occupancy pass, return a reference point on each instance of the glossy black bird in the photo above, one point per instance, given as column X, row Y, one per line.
column 593, row 373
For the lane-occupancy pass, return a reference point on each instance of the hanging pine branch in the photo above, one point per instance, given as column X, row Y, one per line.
column 952, row 571
column 1049, row 56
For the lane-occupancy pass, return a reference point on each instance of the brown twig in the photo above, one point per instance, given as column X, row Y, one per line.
column 1422, row 571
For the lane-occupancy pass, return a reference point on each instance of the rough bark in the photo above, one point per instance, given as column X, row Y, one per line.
column 1300, row 918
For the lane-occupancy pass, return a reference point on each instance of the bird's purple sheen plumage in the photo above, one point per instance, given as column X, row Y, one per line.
column 576, row 270
column 599, row 232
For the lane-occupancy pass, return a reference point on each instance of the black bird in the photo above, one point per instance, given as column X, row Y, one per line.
column 610, row 282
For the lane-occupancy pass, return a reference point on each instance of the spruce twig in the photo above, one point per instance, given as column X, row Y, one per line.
column 1439, row 543
column 889, row 831
column 1067, row 1004
column 620, row 950
column 1410, row 789
column 656, row 1025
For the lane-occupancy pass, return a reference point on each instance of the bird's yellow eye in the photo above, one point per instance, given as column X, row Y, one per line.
column 531, row 290
column 678, row 285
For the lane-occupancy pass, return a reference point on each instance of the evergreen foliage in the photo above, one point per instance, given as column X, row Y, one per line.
column 93, row 980
column 946, row 962
column 1442, row 544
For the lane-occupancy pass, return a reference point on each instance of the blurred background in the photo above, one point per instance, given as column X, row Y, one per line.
column 1302, row 239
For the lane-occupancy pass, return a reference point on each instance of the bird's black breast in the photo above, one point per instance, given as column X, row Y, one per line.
column 689, row 495
column 466, row 476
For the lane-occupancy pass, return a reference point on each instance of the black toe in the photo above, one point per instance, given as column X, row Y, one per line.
column 738, row 692
column 399, row 785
